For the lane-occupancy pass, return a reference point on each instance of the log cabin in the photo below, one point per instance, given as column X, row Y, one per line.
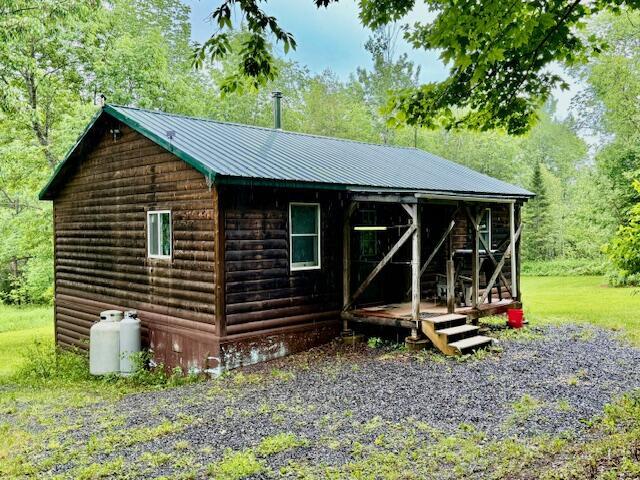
column 238, row 244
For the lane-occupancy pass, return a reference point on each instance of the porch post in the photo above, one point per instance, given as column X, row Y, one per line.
column 514, row 252
column 518, row 221
column 451, row 271
column 346, row 260
column 475, row 262
column 415, row 271
column 451, row 278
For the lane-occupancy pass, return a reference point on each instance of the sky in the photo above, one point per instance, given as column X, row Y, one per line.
column 334, row 39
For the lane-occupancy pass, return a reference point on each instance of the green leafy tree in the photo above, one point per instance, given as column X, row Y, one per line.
column 611, row 112
column 499, row 54
column 387, row 75
column 589, row 222
column 54, row 58
column 40, row 106
column 624, row 248
column 612, row 109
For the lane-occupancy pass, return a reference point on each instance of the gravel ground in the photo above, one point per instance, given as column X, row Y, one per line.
column 335, row 396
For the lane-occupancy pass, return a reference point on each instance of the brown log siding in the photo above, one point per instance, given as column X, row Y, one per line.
column 261, row 291
column 101, row 240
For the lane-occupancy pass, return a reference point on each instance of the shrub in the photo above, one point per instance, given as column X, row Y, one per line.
column 43, row 361
column 565, row 267
column 621, row 279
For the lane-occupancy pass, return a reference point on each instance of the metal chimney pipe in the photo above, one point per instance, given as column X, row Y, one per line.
column 277, row 110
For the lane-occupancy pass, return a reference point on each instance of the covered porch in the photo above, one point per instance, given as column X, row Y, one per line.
column 430, row 263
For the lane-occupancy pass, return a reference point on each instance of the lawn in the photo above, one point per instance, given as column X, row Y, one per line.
column 19, row 329
column 560, row 300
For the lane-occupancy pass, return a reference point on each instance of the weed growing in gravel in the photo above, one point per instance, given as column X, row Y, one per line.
column 498, row 328
column 181, row 445
column 615, row 451
column 282, row 375
column 429, row 355
column 279, row 443
column 577, row 378
column 156, row 459
column 375, row 342
column 236, row 465
column 523, row 410
column 585, row 334
column 526, row 405
column 372, row 425
column 240, row 378
column 563, row 406
column 100, row 469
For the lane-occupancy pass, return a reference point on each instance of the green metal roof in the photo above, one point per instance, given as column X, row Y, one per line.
column 243, row 154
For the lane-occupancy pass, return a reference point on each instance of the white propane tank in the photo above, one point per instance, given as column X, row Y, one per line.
column 129, row 341
column 104, row 344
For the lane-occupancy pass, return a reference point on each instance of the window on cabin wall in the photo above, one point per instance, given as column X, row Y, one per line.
column 159, row 234
column 368, row 239
column 484, row 230
column 304, row 231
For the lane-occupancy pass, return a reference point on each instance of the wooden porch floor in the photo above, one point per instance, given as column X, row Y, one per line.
column 402, row 311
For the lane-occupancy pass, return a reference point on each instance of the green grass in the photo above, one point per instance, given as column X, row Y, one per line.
column 24, row 318
column 20, row 327
column 559, row 300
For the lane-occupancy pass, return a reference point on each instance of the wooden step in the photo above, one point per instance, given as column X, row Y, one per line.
column 446, row 320
column 458, row 333
column 471, row 343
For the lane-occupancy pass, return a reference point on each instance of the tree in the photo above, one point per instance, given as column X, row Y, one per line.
column 624, row 248
column 388, row 75
column 536, row 219
column 53, row 61
column 612, row 114
column 39, row 66
column 612, row 107
column 499, row 54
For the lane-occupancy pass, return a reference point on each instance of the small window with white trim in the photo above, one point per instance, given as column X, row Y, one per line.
column 304, row 235
column 159, row 234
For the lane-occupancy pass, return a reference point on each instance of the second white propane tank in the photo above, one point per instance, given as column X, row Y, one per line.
column 104, row 343
column 129, row 341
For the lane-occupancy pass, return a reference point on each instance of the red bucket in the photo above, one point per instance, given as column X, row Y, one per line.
column 515, row 317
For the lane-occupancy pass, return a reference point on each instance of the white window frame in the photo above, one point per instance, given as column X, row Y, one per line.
column 292, row 267
column 159, row 256
column 489, row 230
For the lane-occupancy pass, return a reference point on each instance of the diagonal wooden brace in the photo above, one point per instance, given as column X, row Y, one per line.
column 380, row 266
column 435, row 250
column 487, row 249
column 498, row 269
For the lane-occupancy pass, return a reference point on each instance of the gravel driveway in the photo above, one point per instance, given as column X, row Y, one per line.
column 335, row 401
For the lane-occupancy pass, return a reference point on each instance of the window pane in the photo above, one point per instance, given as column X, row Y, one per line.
column 305, row 251
column 166, row 234
column 484, row 223
column 368, row 244
column 485, row 237
column 304, row 219
column 153, row 234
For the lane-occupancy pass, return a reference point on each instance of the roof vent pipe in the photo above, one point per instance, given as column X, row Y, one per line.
column 277, row 110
